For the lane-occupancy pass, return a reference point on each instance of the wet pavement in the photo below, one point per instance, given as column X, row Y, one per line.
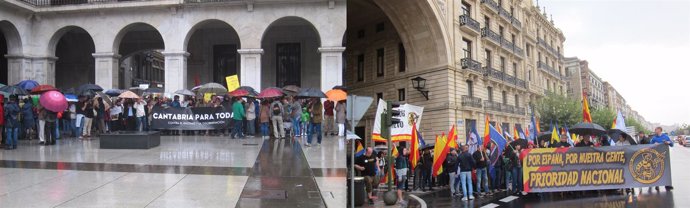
column 643, row 197
column 184, row 171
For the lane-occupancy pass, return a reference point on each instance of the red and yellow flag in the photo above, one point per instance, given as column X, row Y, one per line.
column 516, row 135
column 395, row 152
column 440, row 152
column 414, row 147
column 453, row 138
column 586, row 116
column 487, row 137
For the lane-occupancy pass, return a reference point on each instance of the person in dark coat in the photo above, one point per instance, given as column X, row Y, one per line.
column 11, row 114
column 27, row 116
column 584, row 142
column 427, row 162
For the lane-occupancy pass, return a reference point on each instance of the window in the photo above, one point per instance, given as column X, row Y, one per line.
column 539, row 56
column 517, row 101
column 500, row 3
column 505, row 97
column 512, row 11
column 466, row 9
column 487, row 22
column 401, row 58
column 360, row 67
column 487, row 54
column 515, row 70
column 470, row 88
column 503, row 64
column 379, row 96
column 401, row 94
column 467, row 48
column 500, row 31
column 512, row 38
column 490, row 91
column 360, row 34
column 379, row 62
column 528, row 50
column 380, row 27
column 529, row 75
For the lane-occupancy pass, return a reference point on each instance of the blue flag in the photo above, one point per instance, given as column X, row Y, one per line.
column 499, row 140
column 535, row 132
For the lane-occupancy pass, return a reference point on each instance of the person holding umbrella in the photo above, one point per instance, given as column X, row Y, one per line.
column 27, row 117
column 11, row 114
column 2, row 119
column 277, row 119
column 340, row 117
column 264, row 118
column 316, row 110
column 238, row 114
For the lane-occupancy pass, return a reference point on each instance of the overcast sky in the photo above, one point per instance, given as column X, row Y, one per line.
column 641, row 47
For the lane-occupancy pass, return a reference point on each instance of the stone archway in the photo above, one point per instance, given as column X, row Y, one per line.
column 140, row 47
column 291, row 55
column 212, row 46
column 10, row 44
column 73, row 47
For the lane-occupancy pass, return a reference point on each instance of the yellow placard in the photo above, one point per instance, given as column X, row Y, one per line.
column 208, row 97
column 233, row 82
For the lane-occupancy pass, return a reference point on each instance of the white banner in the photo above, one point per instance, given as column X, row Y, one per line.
column 402, row 131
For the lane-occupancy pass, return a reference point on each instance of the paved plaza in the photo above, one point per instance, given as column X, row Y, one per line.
column 184, row 171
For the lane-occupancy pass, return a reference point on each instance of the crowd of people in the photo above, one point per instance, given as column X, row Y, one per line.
column 483, row 172
column 90, row 116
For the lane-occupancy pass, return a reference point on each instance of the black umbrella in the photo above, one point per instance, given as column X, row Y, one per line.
column 585, row 128
column 88, row 89
column 616, row 133
column 428, row 146
column 310, row 93
column 14, row 90
column 70, row 90
column 251, row 90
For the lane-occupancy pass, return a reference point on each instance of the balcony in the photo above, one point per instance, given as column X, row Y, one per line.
column 505, row 14
column 520, row 110
column 518, row 51
column 507, row 45
column 468, row 101
column 491, row 4
column 516, row 23
column 509, row 79
column 521, row 83
column 493, row 73
column 492, row 106
column 469, row 25
column 549, row 70
column 507, row 108
column 472, row 65
column 491, row 35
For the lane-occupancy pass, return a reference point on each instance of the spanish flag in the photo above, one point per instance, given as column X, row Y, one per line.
column 516, row 135
column 440, row 153
column 395, row 152
column 586, row 116
column 414, row 147
column 487, row 136
column 452, row 138
column 613, row 126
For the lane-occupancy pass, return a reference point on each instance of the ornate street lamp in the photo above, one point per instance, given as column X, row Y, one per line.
column 419, row 84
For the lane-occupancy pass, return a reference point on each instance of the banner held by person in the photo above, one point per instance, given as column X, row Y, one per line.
column 200, row 118
column 233, row 82
column 596, row 168
column 410, row 115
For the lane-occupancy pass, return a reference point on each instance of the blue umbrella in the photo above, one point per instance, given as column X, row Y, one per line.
column 27, row 84
column 71, row 97
column 113, row 92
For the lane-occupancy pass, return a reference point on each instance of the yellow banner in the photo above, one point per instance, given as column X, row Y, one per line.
column 233, row 82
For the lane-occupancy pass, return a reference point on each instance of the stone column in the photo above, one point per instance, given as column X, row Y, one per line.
column 107, row 75
column 175, row 70
column 331, row 67
column 18, row 66
column 250, row 67
column 42, row 70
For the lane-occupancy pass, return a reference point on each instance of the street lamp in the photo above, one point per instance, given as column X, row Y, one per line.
column 419, row 84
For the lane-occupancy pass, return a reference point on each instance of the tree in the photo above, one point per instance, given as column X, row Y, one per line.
column 604, row 117
column 555, row 108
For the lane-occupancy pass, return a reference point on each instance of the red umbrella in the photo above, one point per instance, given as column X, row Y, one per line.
column 270, row 92
column 42, row 88
column 53, row 101
column 240, row 93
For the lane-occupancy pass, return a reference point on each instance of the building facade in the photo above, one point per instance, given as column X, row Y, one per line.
column 573, row 72
column 266, row 42
column 478, row 58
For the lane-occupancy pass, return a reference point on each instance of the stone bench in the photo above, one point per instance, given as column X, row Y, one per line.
column 130, row 140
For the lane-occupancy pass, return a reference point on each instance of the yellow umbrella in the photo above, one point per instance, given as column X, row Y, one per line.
column 336, row 95
column 128, row 94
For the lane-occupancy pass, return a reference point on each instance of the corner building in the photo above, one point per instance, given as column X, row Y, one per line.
column 478, row 57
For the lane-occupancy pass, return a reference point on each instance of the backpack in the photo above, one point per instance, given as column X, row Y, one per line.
column 276, row 110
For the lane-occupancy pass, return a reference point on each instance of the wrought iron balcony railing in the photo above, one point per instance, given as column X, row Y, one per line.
column 491, row 4
column 468, row 63
column 491, row 35
column 471, row 101
column 466, row 20
column 492, row 106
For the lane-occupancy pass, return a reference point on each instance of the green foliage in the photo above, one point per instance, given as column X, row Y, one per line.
column 555, row 108
column 637, row 125
column 604, row 117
